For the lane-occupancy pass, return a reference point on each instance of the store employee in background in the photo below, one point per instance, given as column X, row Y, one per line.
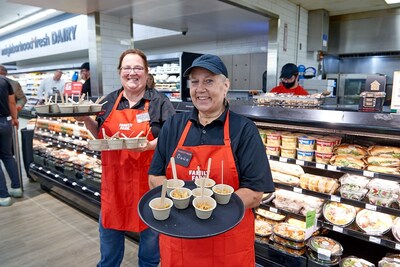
column 51, row 86
column 19, row 94
column 85, row 75
column 211, row 130
column 289, row 81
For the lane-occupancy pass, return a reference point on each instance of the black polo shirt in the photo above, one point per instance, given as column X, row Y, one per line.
column 5, row 91
column 248, row 150
column 160, row 108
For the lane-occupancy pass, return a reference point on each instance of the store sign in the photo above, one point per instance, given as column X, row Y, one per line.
column 64, row 36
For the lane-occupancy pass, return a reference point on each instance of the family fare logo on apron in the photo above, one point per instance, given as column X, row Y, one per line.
column 195, row 174
column 125, row 126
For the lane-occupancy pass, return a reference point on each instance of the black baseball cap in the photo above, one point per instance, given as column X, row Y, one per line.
column 289, row 70
column 209, row 62
column 85, row 66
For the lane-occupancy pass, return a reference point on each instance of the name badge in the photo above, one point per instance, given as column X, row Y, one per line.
column 142, row 117
column 183, row 157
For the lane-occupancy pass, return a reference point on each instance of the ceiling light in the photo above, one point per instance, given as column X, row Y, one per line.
column 27, row 20
column 390, row 2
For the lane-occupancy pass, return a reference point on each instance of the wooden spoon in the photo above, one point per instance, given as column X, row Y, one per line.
column 173, row 166
column 163, row 193
column 208, row 168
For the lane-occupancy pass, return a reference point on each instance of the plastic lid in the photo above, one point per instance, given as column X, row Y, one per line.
column 322, row 244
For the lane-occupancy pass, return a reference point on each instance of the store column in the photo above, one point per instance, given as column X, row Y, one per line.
column 108, row 37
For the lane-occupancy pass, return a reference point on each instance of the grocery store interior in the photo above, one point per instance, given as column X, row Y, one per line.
column 334, row 154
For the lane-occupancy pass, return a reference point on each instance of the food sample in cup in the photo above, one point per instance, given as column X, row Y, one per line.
column 289, row 141
column 174, row 183
column 222, row 193
column 208, row 183
column 181, row 197
column 197, row 192
column 306, row 142
column 160, row 211
column 273, row 150
column 115, row 144
column 204, row 206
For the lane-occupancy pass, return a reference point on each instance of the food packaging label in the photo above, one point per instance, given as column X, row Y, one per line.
column 311, row 223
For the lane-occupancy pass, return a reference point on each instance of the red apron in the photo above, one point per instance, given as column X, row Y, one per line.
column 125, row 173
column 232, row 248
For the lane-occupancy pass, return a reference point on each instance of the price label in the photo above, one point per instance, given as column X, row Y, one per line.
column 283, row 159
column 80, row 138
column 374, row 239
column 297, row 190
column 324, row 254
column 94, row 156
column 370, row 207
column 320, row 166
column 56, row 175
column 300, row 162
column 74, row 184
column 40, row 168
column 397, row 246
column 337, row 229
column 66, row 135
column 84, row 153
column 96, row 194
column 332, row 168
column 65, row 180
column 368, row 173
column 273, row 209
column 84, row 188
column 48, row 172
column 68, row 121
column 73, row 136
column 335, row 198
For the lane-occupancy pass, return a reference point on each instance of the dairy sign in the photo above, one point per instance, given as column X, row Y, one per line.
column 65, row 36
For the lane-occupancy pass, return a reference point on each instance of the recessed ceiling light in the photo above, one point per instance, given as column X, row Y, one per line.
column 392, row 1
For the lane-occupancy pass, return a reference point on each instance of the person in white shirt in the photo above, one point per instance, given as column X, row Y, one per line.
column 51, row 85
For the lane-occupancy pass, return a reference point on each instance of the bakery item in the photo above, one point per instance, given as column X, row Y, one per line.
column 285, row 178
column 347, row 161
column 389, row 170
column 351, row 150
column 384, row 151
column 383, row 161
column 286, row 168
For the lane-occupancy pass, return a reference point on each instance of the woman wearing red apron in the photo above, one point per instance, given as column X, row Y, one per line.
column 212, row 131
column 131, row 111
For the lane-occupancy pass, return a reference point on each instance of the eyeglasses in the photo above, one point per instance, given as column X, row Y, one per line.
column 128, row 69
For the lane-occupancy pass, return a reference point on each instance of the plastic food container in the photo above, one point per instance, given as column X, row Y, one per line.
column 389, row 262
column 337, row 139
column 383, row 188
column 270, row 215
column 262, row 228
column 339, row 214
column 289, row 141
column 42, row 108
column 373, row 222
column 396, row 229
column 273, row 150
column 296, row 252
column 289, row 232
column 325, row 249
column 350, row 194
column 325, row 145
column 306, row 142
column 288, row 243
column 380, row 201
column 288, row 152
column 353, row 261
column 274, row 139
column 307, row 155
column 322, row 157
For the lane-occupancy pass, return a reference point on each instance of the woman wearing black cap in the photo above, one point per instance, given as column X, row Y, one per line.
column 289, row 81
column 233, row 143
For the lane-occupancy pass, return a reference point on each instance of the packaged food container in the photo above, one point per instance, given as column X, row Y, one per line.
column 288, row 152
column 289, row 141
column 262, row 228
column 66, row 108
column 353, row 261
column 274, row 139
column 325, row 145
column 263, row 135
column 339, row 213
column 273, row 150
column 306, row 142
column 383, row 188
column 325, row 249
column 296, row 252
column 350, row 194
column 380, row 201
column 337, row 139
column 270, row 215
column 396, row 229
column 373, row 222
column 389, row 262
column 42, row 108
column 322, row 157
column 307, row 155
column 313, row 258
column 355, row 182
column 289, row 232
column 288, row 243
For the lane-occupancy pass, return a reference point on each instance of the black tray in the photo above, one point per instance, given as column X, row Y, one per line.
column 73, row 114
column 185, row 224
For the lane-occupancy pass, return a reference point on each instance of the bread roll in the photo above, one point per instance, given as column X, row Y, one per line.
column 383, row 161
column 384, row 151
column 285, row 178
column 352, row 150
column 347, row 161
column 286, row 168
column 389, row 170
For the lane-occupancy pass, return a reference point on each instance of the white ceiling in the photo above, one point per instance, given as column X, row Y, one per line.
column 204, row 19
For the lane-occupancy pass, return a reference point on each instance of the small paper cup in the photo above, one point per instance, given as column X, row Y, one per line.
column 42, row 108
column 181, row 197
column 131, row 143
column 54, row 108
column 98, row 144
column 82, row 108
column 160, row 213
column 208, row 183
column 96, row 107
column 204, row 207
column 222, row 193
column 66, row 108
column 197, row 192
column 174, row 183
